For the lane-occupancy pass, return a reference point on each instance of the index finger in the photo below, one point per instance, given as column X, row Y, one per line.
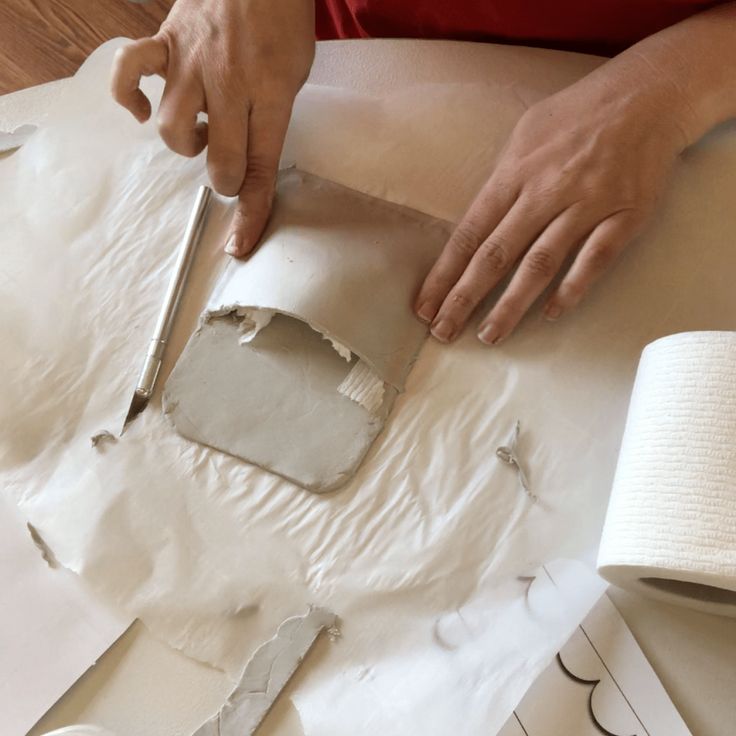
column 140, row 58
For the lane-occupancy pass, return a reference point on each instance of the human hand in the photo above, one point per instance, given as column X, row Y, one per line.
column 583, row 169
column 240, row 61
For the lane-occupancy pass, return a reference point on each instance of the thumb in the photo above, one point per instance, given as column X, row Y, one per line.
column 266, row 132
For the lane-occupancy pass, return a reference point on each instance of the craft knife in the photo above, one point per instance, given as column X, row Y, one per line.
column 157, row 345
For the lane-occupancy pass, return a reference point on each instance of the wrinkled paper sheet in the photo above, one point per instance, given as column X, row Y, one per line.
column 211, row 553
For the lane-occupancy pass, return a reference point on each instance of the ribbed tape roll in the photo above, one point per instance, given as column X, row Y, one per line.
column 670, row 530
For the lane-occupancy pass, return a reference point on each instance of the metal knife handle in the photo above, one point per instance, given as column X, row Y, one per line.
column 155, row 352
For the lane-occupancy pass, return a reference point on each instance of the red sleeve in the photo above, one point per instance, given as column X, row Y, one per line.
column 595, row 26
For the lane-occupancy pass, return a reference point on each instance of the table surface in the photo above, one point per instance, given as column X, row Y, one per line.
column 43, row 41
column 143, row 687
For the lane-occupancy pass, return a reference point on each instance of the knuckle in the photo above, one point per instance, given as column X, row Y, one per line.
column 261, row 170
column 494, row 256
column 260, row 178
column 600, row 255
column 465, row 240
column 126, row 62
column 168, row 130
column 176, row 137
column 573, row 291
column 541, row 263
column 117, row 78
column 462, row 301
column 437, row 286
column 226, row 180
column 122, row 56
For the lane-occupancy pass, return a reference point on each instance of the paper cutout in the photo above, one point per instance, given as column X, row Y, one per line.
column 599, row 683
column 267, row 673
column 607, row 706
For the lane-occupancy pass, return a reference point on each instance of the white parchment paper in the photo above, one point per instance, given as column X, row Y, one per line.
column 212, row 553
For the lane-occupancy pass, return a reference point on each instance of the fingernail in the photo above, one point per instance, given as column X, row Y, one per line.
column 426, row 312
column 489, row 334
column 444, row 330
column 231, row 247
column 552, row 312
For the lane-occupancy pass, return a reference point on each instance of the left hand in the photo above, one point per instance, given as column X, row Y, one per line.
column 583, row 169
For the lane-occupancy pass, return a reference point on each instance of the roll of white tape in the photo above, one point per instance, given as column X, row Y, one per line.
column 670, row 530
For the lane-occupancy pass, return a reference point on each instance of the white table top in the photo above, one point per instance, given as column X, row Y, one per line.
column 144, row 687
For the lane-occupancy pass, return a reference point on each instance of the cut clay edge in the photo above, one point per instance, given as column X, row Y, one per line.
column 229, row 309
column 316, row 620
column 168, row 407
column 342, row 478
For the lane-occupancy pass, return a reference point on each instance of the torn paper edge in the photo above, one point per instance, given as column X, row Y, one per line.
column 81, row 729
column 10, row 141
column 235, row 309
column 255, row 319
column 266, row 674
column 42, row 547
column 362, row 385
column 252, row 321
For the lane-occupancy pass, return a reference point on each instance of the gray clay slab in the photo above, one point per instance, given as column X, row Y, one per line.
column 273, row 402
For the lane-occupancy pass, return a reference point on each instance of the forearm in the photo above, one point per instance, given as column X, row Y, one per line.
column 695, row 62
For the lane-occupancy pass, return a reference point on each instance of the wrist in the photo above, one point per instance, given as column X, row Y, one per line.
column 690, row 67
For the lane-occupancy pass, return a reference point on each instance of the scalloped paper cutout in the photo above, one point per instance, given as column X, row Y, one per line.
column 606, row 703
column 600, row 684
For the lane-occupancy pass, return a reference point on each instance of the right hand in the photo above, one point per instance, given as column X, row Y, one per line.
column 240, row 61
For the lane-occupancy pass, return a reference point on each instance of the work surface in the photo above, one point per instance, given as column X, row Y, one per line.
column 143, row 687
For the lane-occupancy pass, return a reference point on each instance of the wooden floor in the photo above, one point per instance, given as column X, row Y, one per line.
column 42, row 40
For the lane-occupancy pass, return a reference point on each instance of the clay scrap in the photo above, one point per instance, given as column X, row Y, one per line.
column 269, row 670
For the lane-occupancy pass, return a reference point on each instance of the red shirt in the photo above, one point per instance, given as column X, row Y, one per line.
column 594, row 26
